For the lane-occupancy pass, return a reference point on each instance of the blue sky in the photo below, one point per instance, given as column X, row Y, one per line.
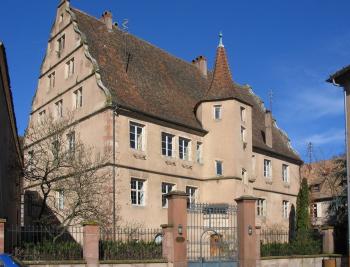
column 290, row 47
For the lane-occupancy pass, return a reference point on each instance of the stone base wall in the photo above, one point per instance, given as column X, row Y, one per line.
column 146, row 264
column 305, row 261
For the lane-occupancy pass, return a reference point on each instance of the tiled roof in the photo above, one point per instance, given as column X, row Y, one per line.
column 145, row 78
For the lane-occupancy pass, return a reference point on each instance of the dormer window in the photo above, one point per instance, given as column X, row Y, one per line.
column 217, row 112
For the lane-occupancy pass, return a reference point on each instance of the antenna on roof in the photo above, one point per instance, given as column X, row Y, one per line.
column 270, row 99
column 309, row 151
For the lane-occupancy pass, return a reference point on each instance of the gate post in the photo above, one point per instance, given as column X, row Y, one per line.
column 91, row 237
column 247, row 237
column 2, row 235
column 175, row 232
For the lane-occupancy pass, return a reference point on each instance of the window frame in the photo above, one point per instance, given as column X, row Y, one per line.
column 60, row 199
column 217, row 116
column 59, row 108
column 165, row 201
column 199, row 152
column 140, row 193
column 221, row 164
column 243, row 114
column 285, row 173
column 52, row 79
column 168, row 146
column 78, row 98
column 137, row 137
column 268, row 169
column 285, row 209
column 243, row 134
column 70, row 68
column 261, row 207
column 71, row 142
column 60, row 44
column 183, row 154
column 192, row 198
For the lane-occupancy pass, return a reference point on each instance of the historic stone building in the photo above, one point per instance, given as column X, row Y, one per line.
column 172, row 124
column 11, row 155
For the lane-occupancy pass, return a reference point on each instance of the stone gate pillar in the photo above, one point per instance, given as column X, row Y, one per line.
column 175, row 232
column 91, row 237
column 328, row 239
column 247, row 237
column 2, row 235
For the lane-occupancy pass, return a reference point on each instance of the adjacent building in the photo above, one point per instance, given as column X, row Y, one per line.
column 11, row 155
column 172, row 124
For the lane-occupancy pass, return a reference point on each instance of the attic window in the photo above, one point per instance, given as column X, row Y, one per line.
column 60, row 19
column 217, row 112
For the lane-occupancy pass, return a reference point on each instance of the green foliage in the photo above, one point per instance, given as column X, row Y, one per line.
column 119, row 250
column 303, row 218
column 47, row 250
column 312, row 246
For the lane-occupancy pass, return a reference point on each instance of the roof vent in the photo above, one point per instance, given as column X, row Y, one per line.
column 201, row 63
column 107, row 19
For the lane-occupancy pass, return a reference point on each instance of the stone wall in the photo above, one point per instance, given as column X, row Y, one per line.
column 302, row 261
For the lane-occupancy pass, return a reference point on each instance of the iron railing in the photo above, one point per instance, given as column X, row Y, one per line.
column 39, row 242
column 212, row 232
column 131, row 244
column 269, row 236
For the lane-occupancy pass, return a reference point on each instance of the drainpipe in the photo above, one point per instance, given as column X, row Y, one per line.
column 114, row 173
column 347, row 162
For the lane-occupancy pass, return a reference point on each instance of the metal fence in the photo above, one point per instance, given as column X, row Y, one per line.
column 130, row 244
column 269, row 236
column 212, row 233
column 38, row 242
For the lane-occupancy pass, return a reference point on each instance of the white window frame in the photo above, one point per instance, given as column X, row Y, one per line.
column 185, row 148
column 199, row 152
column 60, row 199
column 168, row 187
column 267, row 168
column 285, row 173
column 59, row 108
column 71, row 142
column 285, row 209
column 60, row 44
column 51, row 80
column 192, row 195
column 243, row 114
column 243, row 134
column 78, row 98
column 217, row 112
column 217, row 164
column 139, row 191
column 167, row 145
column 138, row 138
column 70, row 68
column 261, row 207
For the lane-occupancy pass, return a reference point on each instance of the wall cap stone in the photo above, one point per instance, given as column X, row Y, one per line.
column 176, row 193
column 163, row 226
column 90, row 223
column 246, row 197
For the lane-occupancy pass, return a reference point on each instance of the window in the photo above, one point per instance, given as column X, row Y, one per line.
column 244, row 175
column 315, row 188
column 78, row 97
column 166, row 188
column 314, row 210
column 217, row 112
column 42, row 116
column 60, row 45
column 55, row 149
column 59, row 112
column 136, row 135
column 285, row 207
column 218, row 167
column 267, row 168
column 199, row 152
column 253, row 165
column 60, row 199
column 51, row 78
column 184, row 148
column 192, row 194
column 137, row 192
column 242, row 114
column 71, row 143
column 243, row 134
column 69, row 68
column 285, row 173
column 167, row 144
column 60, row 19
column 261, row 207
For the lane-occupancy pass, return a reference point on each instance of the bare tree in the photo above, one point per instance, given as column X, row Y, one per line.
column 72, row 179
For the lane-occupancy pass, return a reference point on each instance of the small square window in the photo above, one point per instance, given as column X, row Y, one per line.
column 218, row 167
column 217, row 112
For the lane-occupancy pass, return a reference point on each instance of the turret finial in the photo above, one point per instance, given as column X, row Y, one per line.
column 220, row 40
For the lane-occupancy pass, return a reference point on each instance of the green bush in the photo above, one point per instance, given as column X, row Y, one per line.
column 48, row 250
column 119, row 250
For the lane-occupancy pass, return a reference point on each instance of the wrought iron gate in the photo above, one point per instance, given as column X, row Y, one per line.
column 212, row 235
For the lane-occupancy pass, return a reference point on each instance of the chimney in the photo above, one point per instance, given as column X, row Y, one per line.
column 268, row 128
column 201, row 63
column 107, row 19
